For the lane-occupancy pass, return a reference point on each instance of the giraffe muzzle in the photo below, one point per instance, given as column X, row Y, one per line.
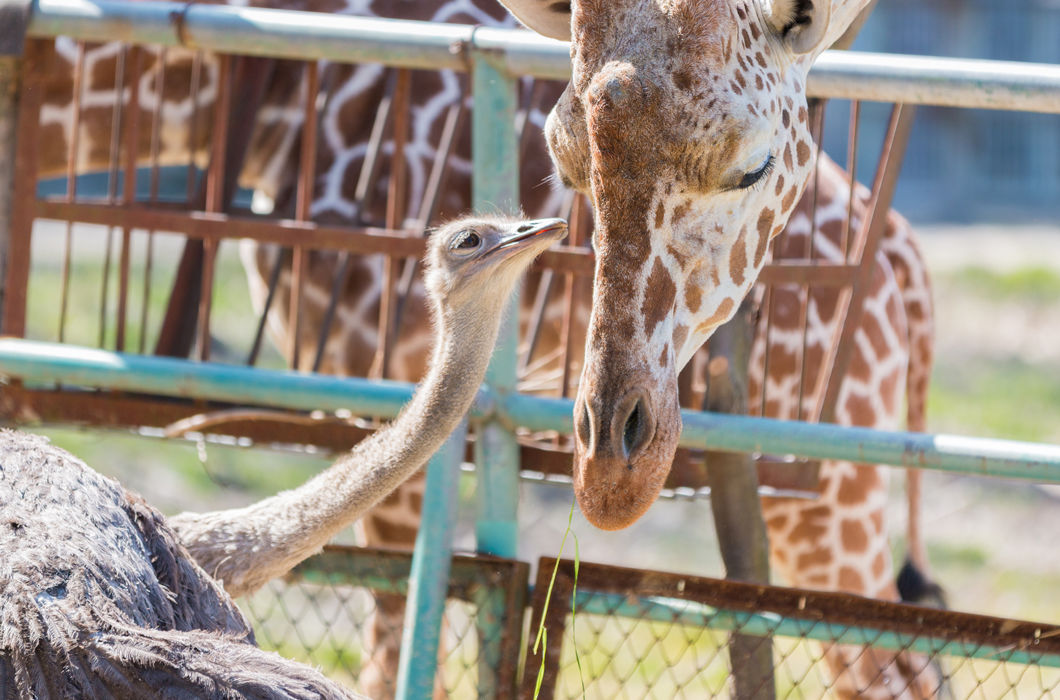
column 623, row 452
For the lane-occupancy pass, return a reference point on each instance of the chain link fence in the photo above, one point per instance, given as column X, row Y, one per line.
column 342, row 611
column 644, row 634
column 630, row 633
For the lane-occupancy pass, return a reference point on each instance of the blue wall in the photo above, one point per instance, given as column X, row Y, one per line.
column 966, row 165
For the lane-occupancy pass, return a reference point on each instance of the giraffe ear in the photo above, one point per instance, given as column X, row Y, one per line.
column 801, row 24
column 549, row 18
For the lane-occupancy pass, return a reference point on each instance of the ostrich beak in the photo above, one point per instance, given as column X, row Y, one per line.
column 536, row 234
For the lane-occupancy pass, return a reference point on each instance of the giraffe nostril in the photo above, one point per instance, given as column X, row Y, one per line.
column 583, row 429
column 633, row 432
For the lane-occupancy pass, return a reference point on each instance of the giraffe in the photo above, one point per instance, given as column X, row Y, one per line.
column 686, row 123
column 352, row 340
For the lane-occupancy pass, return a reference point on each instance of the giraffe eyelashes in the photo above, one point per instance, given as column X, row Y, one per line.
column 751, row 179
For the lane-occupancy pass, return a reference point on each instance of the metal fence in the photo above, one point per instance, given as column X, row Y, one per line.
column 669, row 641
column 62, row 382
column 322, row 613
column 679, row 636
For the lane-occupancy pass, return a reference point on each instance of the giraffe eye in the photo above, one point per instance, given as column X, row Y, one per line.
column 752, row 178
column 465, row 243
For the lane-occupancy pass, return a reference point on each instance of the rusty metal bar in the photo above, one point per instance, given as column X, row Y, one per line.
column 215, row 200
column 542, row 658
column 366, row 179
column 566, row 330
column 71, row 185
column 852, row 170
column 363, row 194
column 454, row 120
column 287, row 232
column 395, row 216
column 16, row 276
column 156, row 135
column 113, row 168
column 829, row 617
column 220, row 226
column 193, row 124
column 865, row 251
column 130, row 139
column 303, row 204
column 10, row 80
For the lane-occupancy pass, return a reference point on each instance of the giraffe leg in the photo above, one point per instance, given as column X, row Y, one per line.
column 839, row 542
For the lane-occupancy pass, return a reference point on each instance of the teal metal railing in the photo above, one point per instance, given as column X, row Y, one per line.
column 48, row 363
column 496, row 58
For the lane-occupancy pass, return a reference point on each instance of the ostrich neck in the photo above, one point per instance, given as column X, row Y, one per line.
column 383, row 461
column 246, row 547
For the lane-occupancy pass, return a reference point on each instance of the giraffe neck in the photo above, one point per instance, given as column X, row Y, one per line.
column 247, row 547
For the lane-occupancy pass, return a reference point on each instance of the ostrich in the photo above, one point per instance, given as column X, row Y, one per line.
column 99, row 595
column 469, row 282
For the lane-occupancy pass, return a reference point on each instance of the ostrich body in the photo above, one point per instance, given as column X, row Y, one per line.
column 98, row 599
column 100, row 596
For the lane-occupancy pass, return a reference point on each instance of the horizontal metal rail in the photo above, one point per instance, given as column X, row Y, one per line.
column 49, row 363
column 308, row 35
column 766, row 624
column 389, row 572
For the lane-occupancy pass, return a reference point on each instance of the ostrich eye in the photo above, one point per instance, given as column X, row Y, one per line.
column 466, row 242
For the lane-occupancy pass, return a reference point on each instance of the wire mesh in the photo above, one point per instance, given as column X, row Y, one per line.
column 645, row 634
column 640, row 634
column 343, row 610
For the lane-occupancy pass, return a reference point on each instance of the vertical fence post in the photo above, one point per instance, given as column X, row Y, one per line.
column 9, row 82
column 495, row 187
column 429, row 578
column 735, row 503
column 14, row 17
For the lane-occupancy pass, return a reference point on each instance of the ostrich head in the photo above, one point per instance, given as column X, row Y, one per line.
column 478, row 260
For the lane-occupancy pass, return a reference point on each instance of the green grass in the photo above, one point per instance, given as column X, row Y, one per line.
column 171, row 474
column 1026, row 284
column 233, row 322
column 1009, row 399
column 949, row 556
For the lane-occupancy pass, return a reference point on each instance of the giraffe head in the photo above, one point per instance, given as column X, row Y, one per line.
column 685, row 121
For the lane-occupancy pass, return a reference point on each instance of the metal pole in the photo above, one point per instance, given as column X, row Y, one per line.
column 49, row 363
column 429, row 577
column 695, row 614
column 495, row 187
column 1032, row 87
column 14, row 18
column 734, row 501
column 10, row 70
